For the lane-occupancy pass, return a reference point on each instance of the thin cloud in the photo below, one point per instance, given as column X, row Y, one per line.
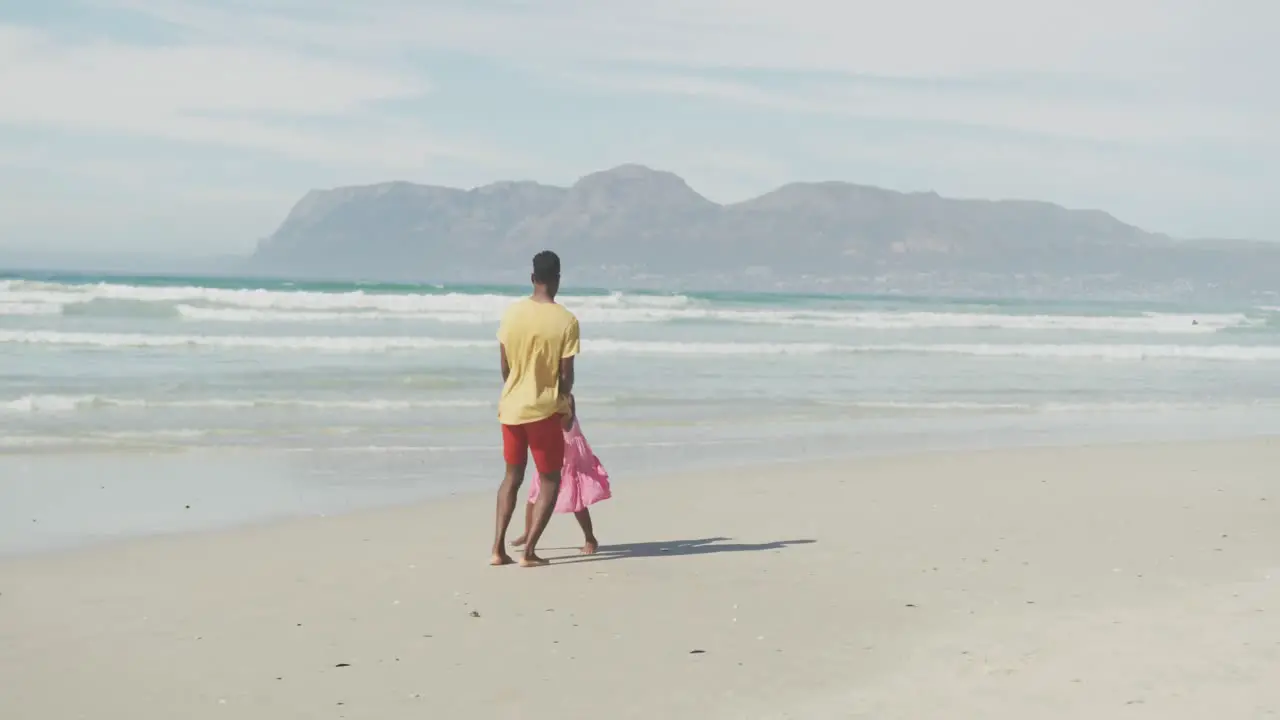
column 244, row 97
column 1169, row 63
column 1162, row 111
column 911, row 37
column 1049, row 114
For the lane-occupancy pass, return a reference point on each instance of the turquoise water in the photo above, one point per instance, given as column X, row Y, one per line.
column 136, row 405
column 95, row 363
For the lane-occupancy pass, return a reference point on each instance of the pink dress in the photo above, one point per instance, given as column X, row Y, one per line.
column 583, row 480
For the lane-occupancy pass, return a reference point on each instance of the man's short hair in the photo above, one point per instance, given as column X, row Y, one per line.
column 546, row 267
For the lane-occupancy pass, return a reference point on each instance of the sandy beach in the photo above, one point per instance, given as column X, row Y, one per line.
column 1136, row 581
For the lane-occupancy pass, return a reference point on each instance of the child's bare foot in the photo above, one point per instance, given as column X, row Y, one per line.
column 591, row 547
column 532, row 561
column 520, row 541
column 500, row 558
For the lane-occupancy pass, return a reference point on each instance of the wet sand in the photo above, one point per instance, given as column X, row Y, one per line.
column 1129, row 582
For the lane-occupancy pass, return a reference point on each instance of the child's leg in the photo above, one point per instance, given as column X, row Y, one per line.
column 528, row 523
column 583, row 517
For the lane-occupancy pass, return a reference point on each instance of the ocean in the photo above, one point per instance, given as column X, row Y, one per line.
column 348, row 378
column 116, row 363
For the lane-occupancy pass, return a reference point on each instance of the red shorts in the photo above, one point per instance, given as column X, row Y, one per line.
column 543, row 438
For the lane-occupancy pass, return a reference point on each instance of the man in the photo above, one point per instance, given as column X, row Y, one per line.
column 538, row 340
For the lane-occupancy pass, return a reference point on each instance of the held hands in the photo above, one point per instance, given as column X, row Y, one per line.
column 569, row 411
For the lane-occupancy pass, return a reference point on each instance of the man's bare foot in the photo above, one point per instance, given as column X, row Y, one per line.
column 591, row 547
column 533, row 561
column 520, row 541
column 499, row 559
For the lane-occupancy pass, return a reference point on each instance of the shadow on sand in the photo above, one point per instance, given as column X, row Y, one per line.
column 664, row 548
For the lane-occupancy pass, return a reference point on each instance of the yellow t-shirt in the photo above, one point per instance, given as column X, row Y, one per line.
column 536, row 337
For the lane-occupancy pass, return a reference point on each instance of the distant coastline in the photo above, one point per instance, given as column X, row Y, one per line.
column 641, row 229
column 637, row 227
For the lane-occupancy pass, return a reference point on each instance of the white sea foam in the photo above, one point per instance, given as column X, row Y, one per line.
column 1246, row 353
column 1147, row 323
column 200, row 304
column 939, row 405
column 48, row 403
column 25, row 291
column 1082, row 351
column 100, row 440
column 73, row 403
column 8, row 307
column 1030, row 407
column 52, row 404
column 238, row 342
column 366, row 344
column 35, row 442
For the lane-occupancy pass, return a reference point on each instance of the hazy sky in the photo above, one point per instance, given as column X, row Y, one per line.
column 191, row 126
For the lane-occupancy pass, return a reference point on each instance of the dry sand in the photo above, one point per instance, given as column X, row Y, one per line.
column 1118, row 582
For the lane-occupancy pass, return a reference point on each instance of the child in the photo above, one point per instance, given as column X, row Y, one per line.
column 583, row 481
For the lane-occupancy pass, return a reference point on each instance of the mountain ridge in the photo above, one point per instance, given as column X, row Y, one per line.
column 632, row 221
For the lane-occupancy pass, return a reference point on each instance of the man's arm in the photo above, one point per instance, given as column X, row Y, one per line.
column 502, row 345
column 567, row 353
column 566, row 375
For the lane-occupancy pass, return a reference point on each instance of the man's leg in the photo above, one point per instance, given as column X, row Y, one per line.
column 515, row 450
column 542, row 511
column 546, row 442
column 528, row 523
column 508, row 494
